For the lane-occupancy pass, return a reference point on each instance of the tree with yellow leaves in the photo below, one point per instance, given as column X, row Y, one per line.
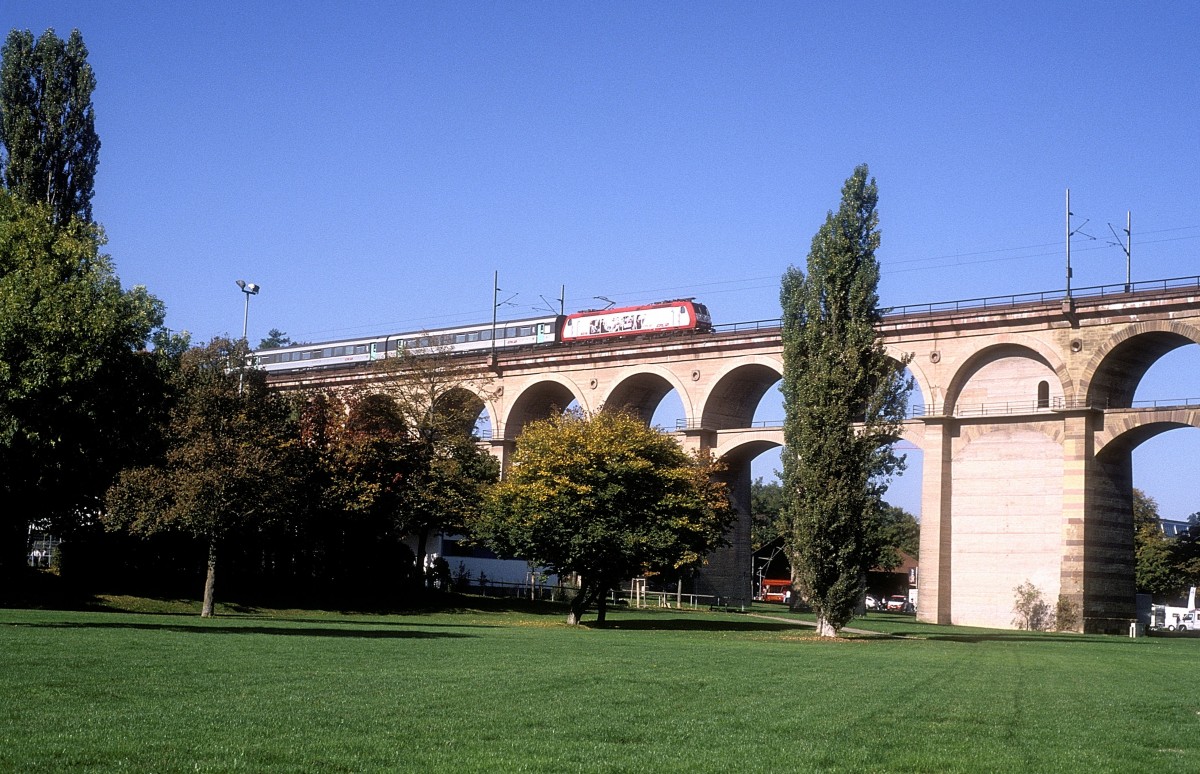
column 607, row 498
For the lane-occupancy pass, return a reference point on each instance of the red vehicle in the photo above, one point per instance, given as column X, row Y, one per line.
column 775, row 590
column 679, row 315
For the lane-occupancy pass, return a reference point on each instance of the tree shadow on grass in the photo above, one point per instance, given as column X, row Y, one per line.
column 363, row 622
column 695, row 624
column 287, row 631
column 1016, row 636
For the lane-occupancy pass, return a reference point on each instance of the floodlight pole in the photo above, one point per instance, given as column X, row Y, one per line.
column 249, row 289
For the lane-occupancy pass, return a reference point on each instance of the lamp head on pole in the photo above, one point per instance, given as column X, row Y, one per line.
column 249, row 288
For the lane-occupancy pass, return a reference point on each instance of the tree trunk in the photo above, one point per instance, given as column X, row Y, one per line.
column 422, row 544
column 210, row 581
column 581, row 602
column 579, row 605
column 601, row 607
column 824, row 628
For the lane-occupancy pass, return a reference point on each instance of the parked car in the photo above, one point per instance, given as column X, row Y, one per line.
column 898, row 603
column 872, row 603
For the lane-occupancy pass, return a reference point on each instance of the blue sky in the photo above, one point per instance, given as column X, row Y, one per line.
column 370, row 165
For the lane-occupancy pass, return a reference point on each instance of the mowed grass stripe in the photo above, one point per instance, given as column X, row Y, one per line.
column 518, row 691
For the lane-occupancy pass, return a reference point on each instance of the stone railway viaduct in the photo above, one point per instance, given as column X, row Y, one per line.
column 1023, row 409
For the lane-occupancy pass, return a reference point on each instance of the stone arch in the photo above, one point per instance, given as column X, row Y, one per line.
column 464, row 405
column 375, row 413
column 1109, row 552
column 736, row 391
column 1113, row 373
column 539, row 400
column 983, row 368
column 1125, row 433
column 643, row 388
column 1052, row 430
column 729, row 567
column 920, row 378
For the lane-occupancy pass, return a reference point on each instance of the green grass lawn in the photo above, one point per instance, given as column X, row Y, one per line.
column 501, row 690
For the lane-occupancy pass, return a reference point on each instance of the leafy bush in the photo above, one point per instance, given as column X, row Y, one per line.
column 1032, row 611
column 1066, row 614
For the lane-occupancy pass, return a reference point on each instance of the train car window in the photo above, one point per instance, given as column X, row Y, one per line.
column 473, row 336
column 485, row 335
column 361, row 349
column 525, row 330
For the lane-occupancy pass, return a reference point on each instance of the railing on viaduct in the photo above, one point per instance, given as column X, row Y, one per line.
column 998, row 302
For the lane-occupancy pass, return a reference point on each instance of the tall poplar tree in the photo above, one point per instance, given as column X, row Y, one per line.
column 48, row 142
column 844, row 399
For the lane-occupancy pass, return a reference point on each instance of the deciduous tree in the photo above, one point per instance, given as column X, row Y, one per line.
column 47, row 123
column 607, row 498
column 78, row 390
column 766, row 505
column 229, row 460
column 898, row 530
column 844, row 399
column 1156, row 568
column 438, row 396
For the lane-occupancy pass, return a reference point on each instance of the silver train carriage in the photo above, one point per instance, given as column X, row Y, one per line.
column 466, row 338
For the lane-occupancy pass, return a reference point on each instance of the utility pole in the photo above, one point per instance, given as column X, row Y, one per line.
column 495, row 306
column 1128, row 251
column 1068, row 243
column 1127, row 248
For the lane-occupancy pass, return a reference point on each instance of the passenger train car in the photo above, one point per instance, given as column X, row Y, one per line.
column 467, row 338
column 666, row 316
